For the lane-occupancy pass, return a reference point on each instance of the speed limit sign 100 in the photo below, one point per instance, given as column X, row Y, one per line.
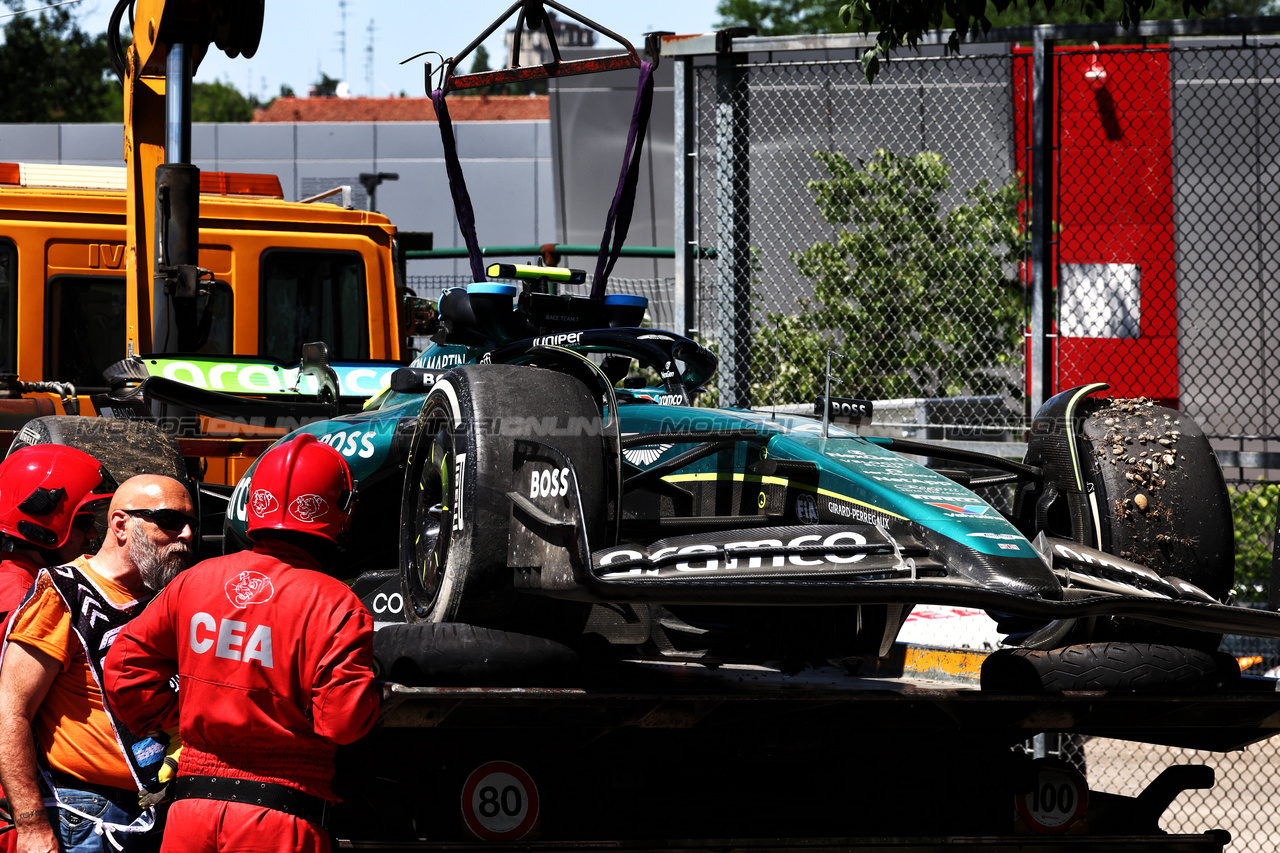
column 1059, row 797
column 499, row 802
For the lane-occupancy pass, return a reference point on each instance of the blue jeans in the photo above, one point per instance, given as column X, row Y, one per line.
column 76, row 834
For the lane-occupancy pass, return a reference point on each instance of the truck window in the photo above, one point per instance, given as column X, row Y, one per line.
column 313, row 296
column 8, row 306
column 86, row 327
column 220, row 327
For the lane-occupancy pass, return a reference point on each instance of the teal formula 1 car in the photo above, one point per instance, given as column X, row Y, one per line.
column 542, row 470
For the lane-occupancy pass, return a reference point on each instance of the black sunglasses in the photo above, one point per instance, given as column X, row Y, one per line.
column 166, row 519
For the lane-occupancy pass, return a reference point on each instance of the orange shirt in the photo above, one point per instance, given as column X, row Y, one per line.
column 73, row 729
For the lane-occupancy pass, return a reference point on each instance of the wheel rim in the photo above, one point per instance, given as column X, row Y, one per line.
column 430, row 523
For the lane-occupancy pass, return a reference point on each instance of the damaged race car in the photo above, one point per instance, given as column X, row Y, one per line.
column 558, row 489
column 539, row 489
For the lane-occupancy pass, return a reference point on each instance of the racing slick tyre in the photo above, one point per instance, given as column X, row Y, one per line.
column 442, row 654
column 125, row 448
column 1162, row 502
column 1139, row 481
column 454, row 510
column 1136, row 667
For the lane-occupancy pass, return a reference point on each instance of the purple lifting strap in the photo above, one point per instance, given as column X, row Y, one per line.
column 618, row 221
column 624, row 200
column 458, row 187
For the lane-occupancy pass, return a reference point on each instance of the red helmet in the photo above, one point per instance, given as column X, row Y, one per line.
column 43, row 487
column 304, row 485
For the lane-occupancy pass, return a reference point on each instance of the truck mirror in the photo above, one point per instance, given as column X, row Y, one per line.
column 423, row 317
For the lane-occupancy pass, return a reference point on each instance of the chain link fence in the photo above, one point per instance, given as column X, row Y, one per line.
column 890, row 224
column 1247, row 785
column 881, row 222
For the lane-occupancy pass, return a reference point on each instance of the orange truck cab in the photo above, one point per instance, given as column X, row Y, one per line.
column 156, row 269
column 282, row 274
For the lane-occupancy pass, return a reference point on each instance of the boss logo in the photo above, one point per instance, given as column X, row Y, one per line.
column 551, row 483
column 353, row 443
column 847, row 409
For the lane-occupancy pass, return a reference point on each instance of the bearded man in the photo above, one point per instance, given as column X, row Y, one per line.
column 91, row 767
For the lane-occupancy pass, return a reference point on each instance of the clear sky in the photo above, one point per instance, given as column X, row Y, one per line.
column 301, row 38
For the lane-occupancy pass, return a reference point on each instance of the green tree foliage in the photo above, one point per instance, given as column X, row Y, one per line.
column 480, row 63
column 52, row 71
column 781, row 17
column 1112, row 10
column 792, row 17
column 1254, row 512
column 219, row 101
column 897, row 23
column 325, row 87
column 917, row 301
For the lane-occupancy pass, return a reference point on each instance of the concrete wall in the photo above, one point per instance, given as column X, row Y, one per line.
column 590, row 118
column 507, row 166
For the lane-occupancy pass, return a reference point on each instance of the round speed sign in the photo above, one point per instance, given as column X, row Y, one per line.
column 499, row 802
column 1058, row 798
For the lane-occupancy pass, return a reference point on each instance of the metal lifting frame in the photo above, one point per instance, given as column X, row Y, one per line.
column 534, row 14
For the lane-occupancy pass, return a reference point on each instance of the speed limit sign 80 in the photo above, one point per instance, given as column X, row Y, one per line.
column 499, row 802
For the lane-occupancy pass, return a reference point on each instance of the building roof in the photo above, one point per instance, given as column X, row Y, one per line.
column 461, row 108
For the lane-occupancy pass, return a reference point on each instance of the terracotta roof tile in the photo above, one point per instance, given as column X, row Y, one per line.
column 461, row 108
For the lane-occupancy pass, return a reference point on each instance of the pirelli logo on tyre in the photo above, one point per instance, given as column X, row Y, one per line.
column 459, row 473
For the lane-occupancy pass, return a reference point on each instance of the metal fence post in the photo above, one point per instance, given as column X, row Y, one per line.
column 733, row 213
column 1039, row 362
column 686, row 136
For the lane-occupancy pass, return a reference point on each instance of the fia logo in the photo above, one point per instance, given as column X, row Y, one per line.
column 807, row 509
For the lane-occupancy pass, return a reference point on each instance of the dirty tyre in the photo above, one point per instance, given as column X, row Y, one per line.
column 1172, row 518
column 125, row 448
column 1135, row 667
column 428, row 654
column 455, row 512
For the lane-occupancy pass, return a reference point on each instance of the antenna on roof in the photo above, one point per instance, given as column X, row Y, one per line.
column 368, row 58
column 342, row 36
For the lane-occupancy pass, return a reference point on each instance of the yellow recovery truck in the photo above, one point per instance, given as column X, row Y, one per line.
column 155, row 258
column 526, row 747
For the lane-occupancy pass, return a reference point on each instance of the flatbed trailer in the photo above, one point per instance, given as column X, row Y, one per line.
column 907, row 754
